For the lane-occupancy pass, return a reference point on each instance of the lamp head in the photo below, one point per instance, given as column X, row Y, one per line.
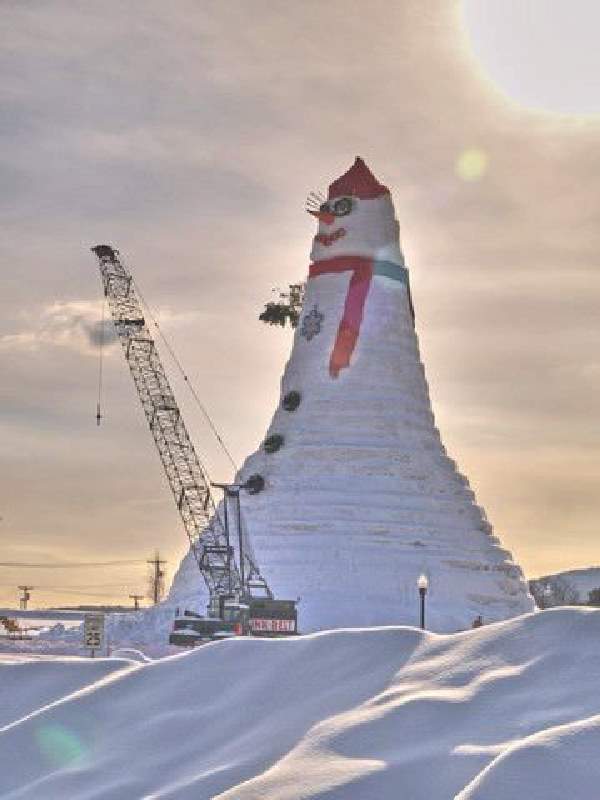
column 423, row 582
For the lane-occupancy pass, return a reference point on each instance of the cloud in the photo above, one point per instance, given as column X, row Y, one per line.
column 76, row 324
column 79, row 325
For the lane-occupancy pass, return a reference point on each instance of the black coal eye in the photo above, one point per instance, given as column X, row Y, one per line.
column 324, row 208
column 342, row 206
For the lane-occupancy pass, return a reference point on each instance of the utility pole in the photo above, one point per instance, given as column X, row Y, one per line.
column 157, row 576
column 25, row 596
column 136, row 600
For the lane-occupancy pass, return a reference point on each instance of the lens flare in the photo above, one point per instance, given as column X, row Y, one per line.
column 59, row 746
column 471, row 164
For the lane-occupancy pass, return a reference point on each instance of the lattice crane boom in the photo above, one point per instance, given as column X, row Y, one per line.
column 187, row 477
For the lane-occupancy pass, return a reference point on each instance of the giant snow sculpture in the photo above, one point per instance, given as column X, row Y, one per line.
column 360, row 497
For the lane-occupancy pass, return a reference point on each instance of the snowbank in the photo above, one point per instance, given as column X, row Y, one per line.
column 504, row 711
column 146, row 630
column 564, row 760
column 31, row 682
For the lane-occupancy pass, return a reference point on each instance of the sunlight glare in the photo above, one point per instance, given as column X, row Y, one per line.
column 543, row 55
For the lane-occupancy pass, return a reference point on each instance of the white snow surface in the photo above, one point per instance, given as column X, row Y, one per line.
column 505, row 711
column 30, row 682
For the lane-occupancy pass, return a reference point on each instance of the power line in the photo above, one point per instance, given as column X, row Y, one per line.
column 76, row 592
column 26, row 590
column 53, row 565
column 60, row 590
column 124, row 585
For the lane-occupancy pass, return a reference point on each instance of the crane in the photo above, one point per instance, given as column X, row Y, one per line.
column 187, row 477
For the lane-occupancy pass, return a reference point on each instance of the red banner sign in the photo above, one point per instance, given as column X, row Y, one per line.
column 273, row 625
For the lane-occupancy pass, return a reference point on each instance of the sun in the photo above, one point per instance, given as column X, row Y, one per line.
column 541, row 54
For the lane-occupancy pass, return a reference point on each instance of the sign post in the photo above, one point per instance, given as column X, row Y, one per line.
column 93, row 632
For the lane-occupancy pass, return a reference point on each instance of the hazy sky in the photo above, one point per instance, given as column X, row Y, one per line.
column 188, row 134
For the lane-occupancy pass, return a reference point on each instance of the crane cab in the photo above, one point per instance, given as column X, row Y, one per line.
column 237, row 614
column 256, row 616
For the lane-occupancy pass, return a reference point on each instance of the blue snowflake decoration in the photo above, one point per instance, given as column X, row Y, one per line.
column 311, row 323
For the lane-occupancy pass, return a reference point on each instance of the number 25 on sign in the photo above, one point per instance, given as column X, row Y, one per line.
column 93, row 632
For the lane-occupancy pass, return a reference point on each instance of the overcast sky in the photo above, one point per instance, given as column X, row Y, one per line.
column 188, row 135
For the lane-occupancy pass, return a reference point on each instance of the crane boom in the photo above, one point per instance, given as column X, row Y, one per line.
column 187, row 477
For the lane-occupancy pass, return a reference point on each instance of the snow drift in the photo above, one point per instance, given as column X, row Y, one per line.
column 32, row 682
column 504, row 711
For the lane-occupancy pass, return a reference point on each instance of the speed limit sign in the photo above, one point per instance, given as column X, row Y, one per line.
column 93, row 631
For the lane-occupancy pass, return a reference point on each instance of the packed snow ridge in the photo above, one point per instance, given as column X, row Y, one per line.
column 505, row 711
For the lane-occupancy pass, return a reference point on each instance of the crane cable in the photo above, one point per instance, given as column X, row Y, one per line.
column 185, row 378
column 100, row 363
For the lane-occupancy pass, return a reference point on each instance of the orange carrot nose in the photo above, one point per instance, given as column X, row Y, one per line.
column 325, row 216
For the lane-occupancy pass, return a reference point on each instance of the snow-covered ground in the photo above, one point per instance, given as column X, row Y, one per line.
column 509, row 710
column 146, row 630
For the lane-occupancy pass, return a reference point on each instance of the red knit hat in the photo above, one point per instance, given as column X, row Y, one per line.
column 359, row 181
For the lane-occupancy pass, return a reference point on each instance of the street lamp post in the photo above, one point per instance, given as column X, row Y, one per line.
column 423, row 585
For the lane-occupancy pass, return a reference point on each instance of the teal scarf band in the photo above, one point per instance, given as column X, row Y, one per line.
column 396, row 273
column 391, row 270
